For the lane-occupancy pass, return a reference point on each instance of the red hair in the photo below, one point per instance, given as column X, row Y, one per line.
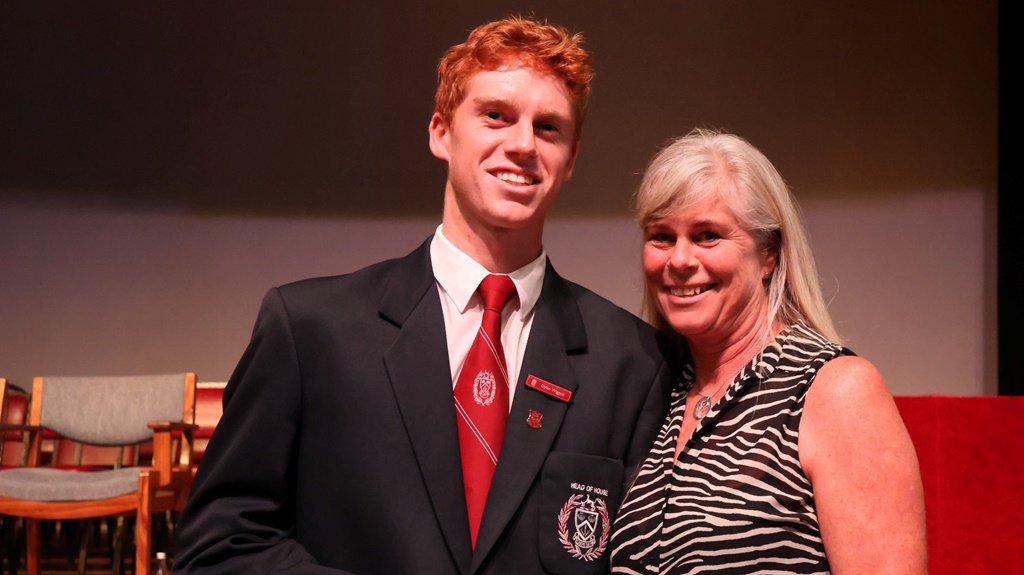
column 515, row 41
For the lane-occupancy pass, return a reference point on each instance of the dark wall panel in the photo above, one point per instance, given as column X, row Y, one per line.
column 321, row 107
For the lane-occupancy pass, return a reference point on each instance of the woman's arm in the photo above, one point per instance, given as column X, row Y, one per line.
column 863, row 469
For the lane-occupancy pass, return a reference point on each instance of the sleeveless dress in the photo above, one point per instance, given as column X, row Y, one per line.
column 737, row 500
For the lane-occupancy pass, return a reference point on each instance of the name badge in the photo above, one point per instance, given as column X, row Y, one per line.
column 546, row 387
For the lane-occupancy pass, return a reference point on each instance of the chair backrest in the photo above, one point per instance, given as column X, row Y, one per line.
column 209, row 408
column 70, row 454
column 111, row 410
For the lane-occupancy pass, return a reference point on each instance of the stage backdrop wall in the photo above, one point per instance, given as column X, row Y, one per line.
column 162, row 166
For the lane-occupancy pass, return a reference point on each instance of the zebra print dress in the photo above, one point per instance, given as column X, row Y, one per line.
column 737, row 500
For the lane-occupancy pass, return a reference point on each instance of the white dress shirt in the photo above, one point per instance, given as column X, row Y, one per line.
column 458, row 276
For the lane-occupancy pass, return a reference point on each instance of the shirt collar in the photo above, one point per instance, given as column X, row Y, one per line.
column 460, row 275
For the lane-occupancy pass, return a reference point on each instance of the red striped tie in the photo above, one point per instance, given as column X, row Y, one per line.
column 481, row 399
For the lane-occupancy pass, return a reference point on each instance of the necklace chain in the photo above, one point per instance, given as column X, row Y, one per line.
column 703, row 405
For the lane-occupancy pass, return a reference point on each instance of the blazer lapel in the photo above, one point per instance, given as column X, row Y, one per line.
column 557, row 331
column 417, row 364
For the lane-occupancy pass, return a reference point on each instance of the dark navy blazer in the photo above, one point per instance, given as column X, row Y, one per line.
column 338, row 449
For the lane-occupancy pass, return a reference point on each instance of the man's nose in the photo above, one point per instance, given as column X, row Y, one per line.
column 522, row 140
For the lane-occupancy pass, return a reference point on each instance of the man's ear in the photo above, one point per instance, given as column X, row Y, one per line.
column 438, row 131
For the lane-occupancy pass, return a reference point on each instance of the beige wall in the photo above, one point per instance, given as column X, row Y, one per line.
column 160, row 169
column 105, row 291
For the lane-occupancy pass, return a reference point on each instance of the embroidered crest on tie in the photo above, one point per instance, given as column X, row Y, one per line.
column 482, row 400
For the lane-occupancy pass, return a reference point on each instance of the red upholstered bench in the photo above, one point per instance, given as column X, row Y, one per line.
column 971, row 451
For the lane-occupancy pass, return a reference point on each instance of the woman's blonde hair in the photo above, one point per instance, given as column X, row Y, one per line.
column 711, row 164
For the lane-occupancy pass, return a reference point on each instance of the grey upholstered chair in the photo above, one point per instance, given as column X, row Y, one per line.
column 108, row 411
column 13, row 410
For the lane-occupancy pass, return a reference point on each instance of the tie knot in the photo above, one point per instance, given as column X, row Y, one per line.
column 496, row 291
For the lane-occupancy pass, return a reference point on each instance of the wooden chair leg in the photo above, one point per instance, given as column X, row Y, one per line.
column 142, row 548
column 32, row 546
column 143, row 531
column 10, row 547
column 83, row 546
column 11, row 538
column 117, row 552
column 163, row 533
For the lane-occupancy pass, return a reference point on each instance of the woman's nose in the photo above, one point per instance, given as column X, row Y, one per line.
column 681, row 256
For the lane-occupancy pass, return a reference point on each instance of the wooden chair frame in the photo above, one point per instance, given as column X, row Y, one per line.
column 164, row 486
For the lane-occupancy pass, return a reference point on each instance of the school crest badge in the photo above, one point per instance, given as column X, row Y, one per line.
column 533, row 420
column 583, row 527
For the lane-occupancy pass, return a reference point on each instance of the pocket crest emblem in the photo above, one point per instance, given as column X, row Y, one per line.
column 583, row 527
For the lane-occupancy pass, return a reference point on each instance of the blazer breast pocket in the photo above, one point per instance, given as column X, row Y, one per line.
column 579, row 496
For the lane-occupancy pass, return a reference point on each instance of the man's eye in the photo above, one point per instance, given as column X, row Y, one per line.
column 494, row 115
column 548, row 127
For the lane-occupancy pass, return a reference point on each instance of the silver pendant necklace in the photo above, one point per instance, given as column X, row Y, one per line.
column 703, row 405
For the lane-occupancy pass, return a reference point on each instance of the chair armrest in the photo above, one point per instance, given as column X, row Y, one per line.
column 162, row 454
column 158, row 426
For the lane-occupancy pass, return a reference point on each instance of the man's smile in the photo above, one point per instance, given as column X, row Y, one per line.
column 515, row 178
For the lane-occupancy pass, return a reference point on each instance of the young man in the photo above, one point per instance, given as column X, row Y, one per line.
column 383, row 422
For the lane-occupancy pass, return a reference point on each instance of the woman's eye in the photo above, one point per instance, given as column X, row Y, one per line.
column 660, row 238
column 707, row 236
